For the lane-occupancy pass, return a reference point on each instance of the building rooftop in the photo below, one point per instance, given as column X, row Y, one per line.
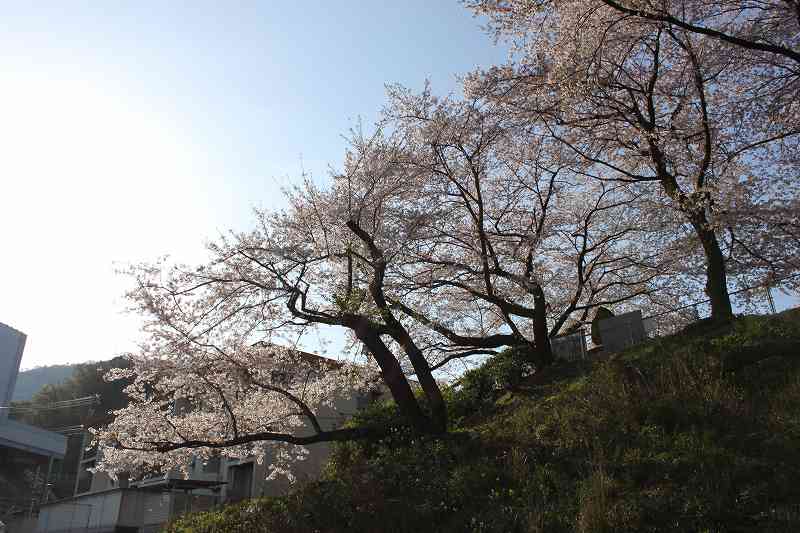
column 15, row 434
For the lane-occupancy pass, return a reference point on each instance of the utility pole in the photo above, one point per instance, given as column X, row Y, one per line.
column 769, row 299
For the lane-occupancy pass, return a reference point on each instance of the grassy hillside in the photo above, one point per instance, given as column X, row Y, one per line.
column 699, row 432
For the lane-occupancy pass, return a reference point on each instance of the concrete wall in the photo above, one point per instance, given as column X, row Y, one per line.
column 570, row 347
column 98, row 512
column 105, row 511
column 622, row 331
column 131, row 508
column 156, row 508
column 21, row 524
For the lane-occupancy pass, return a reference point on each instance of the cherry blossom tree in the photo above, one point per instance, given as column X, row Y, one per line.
column 195, row 399
column 768, row 28
column 212, row 331
column 645, row 99
column 455, row 235
column 525, row 246
column 465, row 226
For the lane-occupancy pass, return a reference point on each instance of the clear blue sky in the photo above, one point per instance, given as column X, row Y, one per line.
column 136, row 129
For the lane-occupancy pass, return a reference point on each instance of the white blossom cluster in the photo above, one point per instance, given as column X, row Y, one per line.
column 212, row 398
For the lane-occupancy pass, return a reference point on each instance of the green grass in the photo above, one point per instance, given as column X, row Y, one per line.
column 699, row 432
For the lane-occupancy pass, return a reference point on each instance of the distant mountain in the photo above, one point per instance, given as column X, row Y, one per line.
column 29, row 382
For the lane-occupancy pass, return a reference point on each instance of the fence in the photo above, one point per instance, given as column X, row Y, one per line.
column 628, row 329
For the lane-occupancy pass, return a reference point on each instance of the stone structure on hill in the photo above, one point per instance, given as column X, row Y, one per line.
column 602, row 313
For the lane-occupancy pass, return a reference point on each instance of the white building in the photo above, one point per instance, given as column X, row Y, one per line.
column 14, row 434
column 23, row 448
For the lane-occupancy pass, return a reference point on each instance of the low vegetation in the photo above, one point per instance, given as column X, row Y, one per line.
column 695, row 432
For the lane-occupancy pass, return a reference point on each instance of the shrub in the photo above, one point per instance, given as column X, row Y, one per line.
column 479, row 388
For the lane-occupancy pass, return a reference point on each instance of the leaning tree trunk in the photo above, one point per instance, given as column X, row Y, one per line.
column 395, row 380
column 433, row 394
column 438, row 422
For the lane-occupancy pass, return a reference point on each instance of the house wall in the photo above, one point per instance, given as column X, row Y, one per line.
column 156, row 509
column 107, row 511
column 12, row 433
column 311, row 467
column 12, row 343
column 93, row 512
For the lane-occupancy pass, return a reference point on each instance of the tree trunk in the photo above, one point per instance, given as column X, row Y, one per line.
column 395, row 380
column 399, row 333
column 716, row 277
column 429, row 386
column 541, row 335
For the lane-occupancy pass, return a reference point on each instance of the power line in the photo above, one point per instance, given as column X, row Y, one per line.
column 707, row 300
column 64, row 404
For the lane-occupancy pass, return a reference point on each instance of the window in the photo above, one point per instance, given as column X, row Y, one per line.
column 211, row 465
column 240, row 482
column 85, row 477
column 363, row 400
column 181, row 406
column 279, row 378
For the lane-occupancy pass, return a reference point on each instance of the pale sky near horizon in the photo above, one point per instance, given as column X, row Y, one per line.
column 131, row 130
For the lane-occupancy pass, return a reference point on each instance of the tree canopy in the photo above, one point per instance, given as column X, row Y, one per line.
column 626, row 157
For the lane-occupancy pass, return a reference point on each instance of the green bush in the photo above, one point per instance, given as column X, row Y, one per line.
column 257, row 516
column 478, row 389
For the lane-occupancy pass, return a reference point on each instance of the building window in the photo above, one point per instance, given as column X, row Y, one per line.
column 279, row 378
column 85, row 477
column 211, row 465
column 240, row 482
column 181, row 406
column 364, row 400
